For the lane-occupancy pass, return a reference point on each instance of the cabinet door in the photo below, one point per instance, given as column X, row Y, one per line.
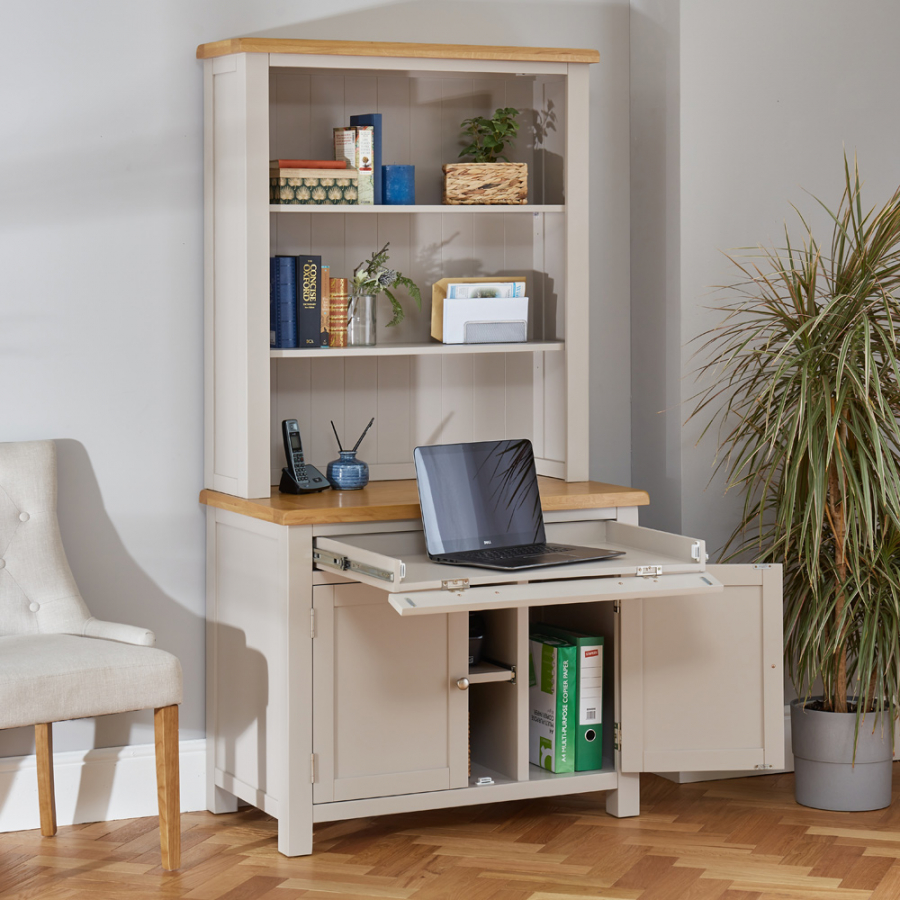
column 388, row 717
column 701, row 677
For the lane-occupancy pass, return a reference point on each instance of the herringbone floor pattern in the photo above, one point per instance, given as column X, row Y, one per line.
column 728, row 840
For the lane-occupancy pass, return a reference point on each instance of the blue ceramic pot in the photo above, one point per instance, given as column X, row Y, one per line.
column 347, row 473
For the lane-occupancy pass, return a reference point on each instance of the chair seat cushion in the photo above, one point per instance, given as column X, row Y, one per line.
column 52, row 677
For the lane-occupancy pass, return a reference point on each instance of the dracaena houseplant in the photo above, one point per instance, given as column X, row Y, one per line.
column 372, row 276
column 804, row 387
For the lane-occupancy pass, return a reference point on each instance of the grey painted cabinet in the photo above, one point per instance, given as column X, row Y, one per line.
column 326, row 703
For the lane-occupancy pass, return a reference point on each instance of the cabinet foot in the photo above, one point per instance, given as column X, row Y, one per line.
column 625, row 801
column 220, row 801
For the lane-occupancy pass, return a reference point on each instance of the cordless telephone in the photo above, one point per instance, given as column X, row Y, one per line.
column 297, row 477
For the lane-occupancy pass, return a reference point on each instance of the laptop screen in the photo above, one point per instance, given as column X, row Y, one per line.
column 478, row 496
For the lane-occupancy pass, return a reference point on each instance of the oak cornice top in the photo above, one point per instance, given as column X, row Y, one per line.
column 395, row 49
column 385, row 501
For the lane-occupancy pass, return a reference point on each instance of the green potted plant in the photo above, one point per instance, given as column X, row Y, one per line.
column 371, row 278
column 489, row 177
column 805, row 390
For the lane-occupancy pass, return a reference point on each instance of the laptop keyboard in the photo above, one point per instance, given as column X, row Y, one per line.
column 511, row 552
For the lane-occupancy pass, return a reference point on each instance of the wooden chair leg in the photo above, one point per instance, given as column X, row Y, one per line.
column 165, row 726
column 43, row 743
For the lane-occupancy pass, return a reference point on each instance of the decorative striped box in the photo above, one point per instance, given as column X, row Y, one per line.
column 315, row 187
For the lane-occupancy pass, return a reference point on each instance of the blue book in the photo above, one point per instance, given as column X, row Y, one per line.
column 283, row 302
column 373, row 119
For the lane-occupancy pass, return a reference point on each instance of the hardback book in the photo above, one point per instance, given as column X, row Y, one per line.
column 464, row 290
column 337, row 314
column 355, row 144
column 551, row 696
column 283, row 302
column 588, row 720
column 309, row 301
column 313, row 186
column 325, row 312
column 373, row 119
column 307, row 164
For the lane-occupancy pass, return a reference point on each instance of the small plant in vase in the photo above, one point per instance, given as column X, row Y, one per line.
column 489, row 177
column 371, row 278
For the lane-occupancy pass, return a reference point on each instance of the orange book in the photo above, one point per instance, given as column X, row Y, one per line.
column 307, row 163
column 339, row 298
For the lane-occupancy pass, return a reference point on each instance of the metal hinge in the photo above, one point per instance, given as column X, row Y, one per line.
column 455, row 584
column 762, row 566
column 764, row 766
column 312, row 768
column 648, row 571
column 617, row 736
column 312, row 623
column 695, row 551
column 617, row 606
column 513, row 670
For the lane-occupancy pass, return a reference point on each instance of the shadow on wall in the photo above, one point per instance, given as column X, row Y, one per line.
column 119, row 590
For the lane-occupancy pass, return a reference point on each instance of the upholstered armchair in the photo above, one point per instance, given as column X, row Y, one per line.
column 56, row 660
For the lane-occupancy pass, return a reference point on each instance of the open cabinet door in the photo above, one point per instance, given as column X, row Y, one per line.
column 701, row 677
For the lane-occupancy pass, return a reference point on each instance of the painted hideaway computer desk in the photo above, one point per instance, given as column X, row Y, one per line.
column 337, row 654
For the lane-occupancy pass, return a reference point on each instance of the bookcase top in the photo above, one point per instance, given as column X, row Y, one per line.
column 394, row 49
column 395, row 500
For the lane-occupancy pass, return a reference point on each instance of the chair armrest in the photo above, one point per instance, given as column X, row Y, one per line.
column 115, row 631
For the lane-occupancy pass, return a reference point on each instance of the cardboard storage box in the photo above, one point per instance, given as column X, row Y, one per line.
column 551, row 698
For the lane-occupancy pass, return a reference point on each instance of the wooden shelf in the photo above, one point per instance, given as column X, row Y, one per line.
column 483, row 672
column 431, row 349
column 384, row 209
column 395, row 49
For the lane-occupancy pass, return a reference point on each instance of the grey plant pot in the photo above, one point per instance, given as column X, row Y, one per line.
column 825, row 774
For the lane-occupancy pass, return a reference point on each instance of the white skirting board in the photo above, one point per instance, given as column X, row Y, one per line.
column 98, row 785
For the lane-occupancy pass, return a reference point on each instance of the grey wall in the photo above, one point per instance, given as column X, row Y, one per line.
column 739, row 109
column 101, row 272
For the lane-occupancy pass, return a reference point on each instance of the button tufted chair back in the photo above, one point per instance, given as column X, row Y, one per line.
column 38, row 594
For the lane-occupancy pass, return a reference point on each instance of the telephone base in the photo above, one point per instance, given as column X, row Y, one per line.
column 315, row 481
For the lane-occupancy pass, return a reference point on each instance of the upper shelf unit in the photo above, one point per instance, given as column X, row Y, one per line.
column 269, row 99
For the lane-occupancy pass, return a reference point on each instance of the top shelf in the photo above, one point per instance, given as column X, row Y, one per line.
column 395, row 49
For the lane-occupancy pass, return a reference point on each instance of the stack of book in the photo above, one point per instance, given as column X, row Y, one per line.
column 301, row 312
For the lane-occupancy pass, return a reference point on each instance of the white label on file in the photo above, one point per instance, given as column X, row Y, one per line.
column 590, row 685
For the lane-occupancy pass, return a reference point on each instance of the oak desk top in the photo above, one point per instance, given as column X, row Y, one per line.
column 383, row 501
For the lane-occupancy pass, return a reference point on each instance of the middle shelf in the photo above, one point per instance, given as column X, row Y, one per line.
column 418, row 349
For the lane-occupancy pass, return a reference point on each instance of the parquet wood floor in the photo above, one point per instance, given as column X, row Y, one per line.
column 744, row 839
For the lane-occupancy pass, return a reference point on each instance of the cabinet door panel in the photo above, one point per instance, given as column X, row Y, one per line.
column 701, row 677
column 387, row 717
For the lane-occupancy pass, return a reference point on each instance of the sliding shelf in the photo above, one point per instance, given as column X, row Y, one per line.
column 431, row 349
column 422, row 208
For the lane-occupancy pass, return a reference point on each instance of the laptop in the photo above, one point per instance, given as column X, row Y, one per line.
column 481, row 507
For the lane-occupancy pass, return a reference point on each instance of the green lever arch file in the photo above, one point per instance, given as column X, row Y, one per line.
column 588, row 694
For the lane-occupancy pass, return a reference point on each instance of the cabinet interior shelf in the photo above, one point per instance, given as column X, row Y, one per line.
column 415, row 349
column 415, row 208
column 484, row 671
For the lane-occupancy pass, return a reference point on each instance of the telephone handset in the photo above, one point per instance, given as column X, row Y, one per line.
column 297, row 477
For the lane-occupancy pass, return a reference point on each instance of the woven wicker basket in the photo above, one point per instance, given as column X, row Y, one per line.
column 505, row 183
